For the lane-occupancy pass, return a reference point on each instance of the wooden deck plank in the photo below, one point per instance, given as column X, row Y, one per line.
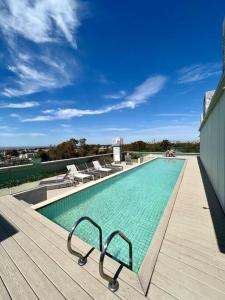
column 156, row 293
column 192, row 284
column 63, row 282
column 60, row 242
column 211, row 255
column 185, row 255
column 174, row 288
column 14, row 281
column 42, row 287
column 3, row 291
column 212, row 282
column 84, row 279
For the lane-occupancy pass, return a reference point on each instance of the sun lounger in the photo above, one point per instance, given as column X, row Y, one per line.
column 98, row 167
column 108, row 164
column 128, row 160
column 57, row 182
column 83, row 168
column 74, row 173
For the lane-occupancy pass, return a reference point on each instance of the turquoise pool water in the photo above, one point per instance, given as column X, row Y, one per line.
column 132, row 202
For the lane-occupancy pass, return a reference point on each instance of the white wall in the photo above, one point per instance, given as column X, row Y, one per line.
column 212, row 148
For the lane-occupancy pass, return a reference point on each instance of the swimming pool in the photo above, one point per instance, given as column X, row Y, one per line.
column 132, row 202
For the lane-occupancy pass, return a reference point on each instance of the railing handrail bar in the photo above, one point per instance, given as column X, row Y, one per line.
column 83, row 259
column 113, row 283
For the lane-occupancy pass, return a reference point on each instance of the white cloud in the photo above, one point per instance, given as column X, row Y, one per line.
column 109, row 129
column 32, row 76
column 40, row 21
column 25, row 134
column 26, row 104
column 17, row 116
column 198, row 72
column 182, row 132
column 7, row 128
column 176, row 115
column 119, row 95
column 66, row 125
column 39, row 67
column 142, row 93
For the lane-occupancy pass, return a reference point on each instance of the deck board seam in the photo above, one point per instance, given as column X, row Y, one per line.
column 196, row 259
column 1, row 279
column 180, row 284
column 187, row 274
column 205, row 253
column 3, row 248
column 163, row 291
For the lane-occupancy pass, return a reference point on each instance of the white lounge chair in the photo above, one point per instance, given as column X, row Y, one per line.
column 57, row 182
column 74, row 173
column 98, row 167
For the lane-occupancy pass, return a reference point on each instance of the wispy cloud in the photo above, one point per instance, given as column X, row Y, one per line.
column 26, row 104
column 7, row 128
column 66, row 125
column 176, row 114
column 22, row 134
column 43, row 23
column 118, row 95
column 151, row 86
column 40, row 21
column 187, row 131
column 108, row 129
column 35, row 75
column 198, row 72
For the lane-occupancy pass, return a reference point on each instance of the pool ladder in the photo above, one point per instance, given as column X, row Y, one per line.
column 113, row 283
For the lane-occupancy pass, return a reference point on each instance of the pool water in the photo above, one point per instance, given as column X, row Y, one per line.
column 132, row 202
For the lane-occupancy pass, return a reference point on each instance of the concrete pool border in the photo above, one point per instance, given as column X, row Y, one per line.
column 148, row 264
column 86, row 186
column 147, row 267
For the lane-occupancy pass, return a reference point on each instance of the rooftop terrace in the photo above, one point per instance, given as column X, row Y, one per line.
column 190, row 264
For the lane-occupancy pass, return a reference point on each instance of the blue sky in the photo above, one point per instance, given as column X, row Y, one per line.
column 98, row 69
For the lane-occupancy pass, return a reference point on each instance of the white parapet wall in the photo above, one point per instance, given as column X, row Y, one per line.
column 212, row 142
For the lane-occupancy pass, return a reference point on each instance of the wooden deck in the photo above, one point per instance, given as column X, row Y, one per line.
column 191, row 262
column 35, row 263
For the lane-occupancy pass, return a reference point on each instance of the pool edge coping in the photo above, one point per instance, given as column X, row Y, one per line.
column 148, row 265
column 86, row 186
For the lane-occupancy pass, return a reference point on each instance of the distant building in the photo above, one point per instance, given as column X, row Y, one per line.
column 29, row 155
column 212, row 135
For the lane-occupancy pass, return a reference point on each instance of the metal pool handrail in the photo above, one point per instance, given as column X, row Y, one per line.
column 113, row 282
column 83, row 259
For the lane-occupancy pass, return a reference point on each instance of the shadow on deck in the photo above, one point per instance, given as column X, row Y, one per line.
column 6, row 229
column 217, row 214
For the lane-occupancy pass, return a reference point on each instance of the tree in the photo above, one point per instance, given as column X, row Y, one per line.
column 83, row 149
column 12, row 152
column 43, row 155
column 67, row 149
column 165, row 144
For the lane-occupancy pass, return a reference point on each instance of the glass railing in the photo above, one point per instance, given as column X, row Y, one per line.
column 16, row 179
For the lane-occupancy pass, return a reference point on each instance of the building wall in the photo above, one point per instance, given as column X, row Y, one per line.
column 212, row 146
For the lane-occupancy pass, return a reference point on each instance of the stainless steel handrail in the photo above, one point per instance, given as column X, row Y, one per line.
column 83, row 259
column 113, row 282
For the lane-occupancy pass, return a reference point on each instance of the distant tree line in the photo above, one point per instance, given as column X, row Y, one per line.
column 77, row 148
column 185, row 147
column 70, row 149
